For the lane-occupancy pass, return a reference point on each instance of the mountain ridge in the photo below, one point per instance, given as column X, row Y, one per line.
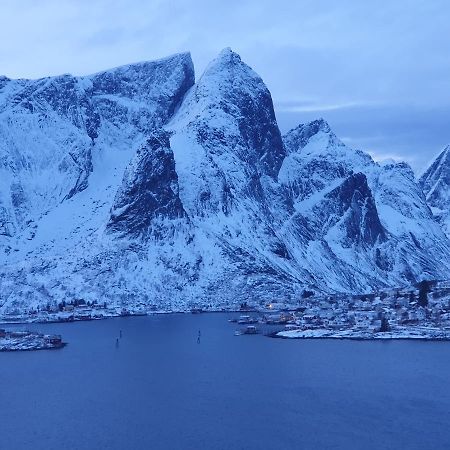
column 141, row 186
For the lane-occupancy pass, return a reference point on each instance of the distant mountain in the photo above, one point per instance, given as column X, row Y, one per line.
column 138, row 186
column 435, row 183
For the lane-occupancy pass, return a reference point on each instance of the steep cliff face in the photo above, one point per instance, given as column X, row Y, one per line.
column 148, row 196
column 53, row 130
column 435, row 183
column 137, row 186
column 351, row 207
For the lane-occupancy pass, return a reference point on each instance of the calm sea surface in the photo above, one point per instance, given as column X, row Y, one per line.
column 160, row 389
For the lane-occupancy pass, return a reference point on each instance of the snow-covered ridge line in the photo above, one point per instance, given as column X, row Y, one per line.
column 123, row 67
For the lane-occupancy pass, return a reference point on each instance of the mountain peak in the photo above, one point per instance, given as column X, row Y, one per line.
column 311, row 128
column 298, row 137
column 227, row 54
column 320, row 124
column 435, row 183
column 438, row 170
column 444, row 157
column 228, row 70
column 235, row 106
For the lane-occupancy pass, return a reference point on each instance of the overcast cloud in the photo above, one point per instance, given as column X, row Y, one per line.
column 379, row 72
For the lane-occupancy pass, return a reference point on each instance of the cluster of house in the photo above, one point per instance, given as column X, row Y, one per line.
column 70, row 312
column 387, row 308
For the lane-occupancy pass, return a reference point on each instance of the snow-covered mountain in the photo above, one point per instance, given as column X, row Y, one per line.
column 367, row 223
column 435, row 183
column 138, row 185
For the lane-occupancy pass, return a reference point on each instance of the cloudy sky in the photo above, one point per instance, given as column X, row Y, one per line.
column 378, row 71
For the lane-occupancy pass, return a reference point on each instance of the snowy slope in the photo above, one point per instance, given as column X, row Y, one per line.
column 136, row 186
column 435, row 183
column 371, row 217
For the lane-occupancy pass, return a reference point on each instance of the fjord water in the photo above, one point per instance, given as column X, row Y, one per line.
column 160, row 389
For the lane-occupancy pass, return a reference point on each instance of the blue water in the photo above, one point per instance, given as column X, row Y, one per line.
column 160, row 389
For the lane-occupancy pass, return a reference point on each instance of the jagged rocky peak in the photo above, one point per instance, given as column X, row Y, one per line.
column 437, row 177
column 298, row 137
column 316, row 159
column 316, row 138
column 230, row 105
column 140, row 78
column 435, row 183
column 159, row 85
column 149, row 192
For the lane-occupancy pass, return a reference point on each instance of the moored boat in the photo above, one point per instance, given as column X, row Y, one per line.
column 249, row 329
column 244, row 320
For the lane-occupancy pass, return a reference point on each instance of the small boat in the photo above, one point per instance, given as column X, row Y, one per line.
column 243, row 320
column 250, row 329
column 54, row 339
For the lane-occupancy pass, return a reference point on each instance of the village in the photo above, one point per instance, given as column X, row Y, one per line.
column 417, row 312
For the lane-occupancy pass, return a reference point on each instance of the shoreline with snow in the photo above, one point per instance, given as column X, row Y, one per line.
column 422, row 333
column 12, row 341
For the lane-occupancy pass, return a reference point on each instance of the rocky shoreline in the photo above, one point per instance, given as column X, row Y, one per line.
column 11, row 341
